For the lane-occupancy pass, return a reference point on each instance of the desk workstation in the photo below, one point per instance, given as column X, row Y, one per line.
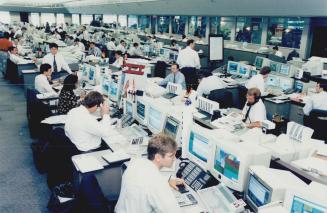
column 124, row 120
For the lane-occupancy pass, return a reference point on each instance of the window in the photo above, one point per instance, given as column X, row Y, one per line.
column 163, row 24
column 60, row 18
column 197, row 26
column 132, row 21
column 35, row 19
column 178, row 24
column 226, row 25
column 5, row 17
column 248, row 29
column 48, row 17
column 122, row 20
column 285, row 32
column 86, row 19
column 153, row 24
column 144, row 22
column 75, row 19
column 109, row 19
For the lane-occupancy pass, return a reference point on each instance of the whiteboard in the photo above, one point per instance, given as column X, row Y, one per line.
column 216, row 46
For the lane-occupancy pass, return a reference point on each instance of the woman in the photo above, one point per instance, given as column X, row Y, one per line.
column 67, row 98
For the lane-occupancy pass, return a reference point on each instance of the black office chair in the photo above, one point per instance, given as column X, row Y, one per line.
column 59, row 151
column 317, row 120
column 12, row 72
column 223, row 97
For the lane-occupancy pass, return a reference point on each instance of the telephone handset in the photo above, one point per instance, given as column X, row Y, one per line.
column 194, row 176
column 127, row 120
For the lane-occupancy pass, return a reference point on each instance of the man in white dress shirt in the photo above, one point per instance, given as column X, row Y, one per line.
column 111, row 46
column 277, row 52
column 85, row 34
column 94, row 50
column 121, row 47
column 188, row 60
column 41, row 81
column 208, row 84
column 57, row 61
column 258, row 81
column 15, row 58
column 83, row 129
column 79, row 44
column 151, row 192
column 254, row 111
column 135, row 50
column 119, row 60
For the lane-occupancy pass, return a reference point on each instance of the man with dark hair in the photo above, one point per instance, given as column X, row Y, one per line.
column 119, row 60
column 135, row 50
column 94, row 50
column 4, row 42
column 121, row 47
column 82, row 128
column 79, row 44
column 150, row 192
column 174, row 77
column 41, row 82
column 188, row 60
column 111, row 46
column 258, row 81
column 254, row 111
column 208, row 84
column 57, row 61
column 277, row 52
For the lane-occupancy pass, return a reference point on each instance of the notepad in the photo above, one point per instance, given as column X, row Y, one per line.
column 87, row 164
column 116, row 157
column 57, row 119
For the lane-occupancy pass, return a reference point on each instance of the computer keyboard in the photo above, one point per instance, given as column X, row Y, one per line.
column 169, row 95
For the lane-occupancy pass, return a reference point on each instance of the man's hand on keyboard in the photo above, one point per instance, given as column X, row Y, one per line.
column 174, row 182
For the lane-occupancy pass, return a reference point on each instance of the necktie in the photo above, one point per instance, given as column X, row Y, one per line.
column 55, row 69
column 174, row 79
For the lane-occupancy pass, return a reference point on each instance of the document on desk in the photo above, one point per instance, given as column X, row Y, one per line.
column 116, row 156
column 86, row 164
column 56, row 119
column 312, row 164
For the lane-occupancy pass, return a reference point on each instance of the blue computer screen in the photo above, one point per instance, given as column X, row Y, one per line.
column 284, row 69
column 171, row 56
column 232, row 67
column 113, row 89
column 171, row 127
column 243, row 70
column 155, row 116
column 140, row 109
column 105, row 87
column 298, row 86
column 300, row 205
column 91, row 74
column 258, row 62
column 254, row 72
column 274, row 67
column 84, row 70
column 162, row 51
column 198, row 146
column 257, row 192
column 226, row 164
column 129, row 107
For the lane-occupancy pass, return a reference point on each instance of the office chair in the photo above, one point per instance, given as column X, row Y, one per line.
column 223, row 97
column 317, row 120
column 12, row 72
column 160, row 69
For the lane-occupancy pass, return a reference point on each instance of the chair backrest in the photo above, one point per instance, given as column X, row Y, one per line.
column 62, row 145
column 160, row 69
column 11, row 70
column 223, row 97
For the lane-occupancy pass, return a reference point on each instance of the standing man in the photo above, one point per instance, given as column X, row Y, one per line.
column 188, row 60
column 57, row 61
column 151, row 192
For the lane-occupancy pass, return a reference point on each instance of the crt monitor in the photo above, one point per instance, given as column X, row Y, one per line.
column 244, row 70
column 172, row 56
column 285, row 69
column 156, row 118
column 141, row 111
column 286, row 83
column 113, row 91
column 258, row 62
column 253, row 73
column 105, row 86
column 258, row 193
column 171, row 127
column 128, row 107
column 232, row 67
column 91, row 76
column 298, row 86
column 272, row 81
column 162, row 52
column 198, row 146
column 274, row 66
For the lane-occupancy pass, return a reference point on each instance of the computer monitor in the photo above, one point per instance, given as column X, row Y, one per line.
column 258, row 62
column 298, row 86
column 274, row 66
column 244, row 70
column 286, row 83
column 285, row 69
column 141, row 110
column 272, row 81
column 129, row 107
column 253, row 72
column 230, row 161
column 92, row 75
column 198, row 146
column 304, row 202
column 105, row 86
column 156, row 117
column 171, row 56
column 162, row 52
column 172, row 127
column 113, row 91
column 232, row 67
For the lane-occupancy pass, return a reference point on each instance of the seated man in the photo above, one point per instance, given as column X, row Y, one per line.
column 94, row 50
column 119, row 60
column 57, row 61
column 150, row 192
column 209, row 84
column 14, row 57
column 258, row 81
column 82, row 128
column 79, row 44
column 174, row 77
column 41, row 82
column 254, row 111
column 135, row 50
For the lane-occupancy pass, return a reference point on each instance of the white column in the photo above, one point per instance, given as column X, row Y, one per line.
column 264, row 31
column 233, row 30
column 304, row 38
column 170, row 25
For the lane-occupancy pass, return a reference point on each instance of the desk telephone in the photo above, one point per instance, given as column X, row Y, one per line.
column 194, row 176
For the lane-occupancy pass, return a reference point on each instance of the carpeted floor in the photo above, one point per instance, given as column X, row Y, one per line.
column 22, row 188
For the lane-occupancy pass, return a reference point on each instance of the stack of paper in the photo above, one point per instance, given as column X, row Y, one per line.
column 87, row 164
column 56, row 119
column 116, row 156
